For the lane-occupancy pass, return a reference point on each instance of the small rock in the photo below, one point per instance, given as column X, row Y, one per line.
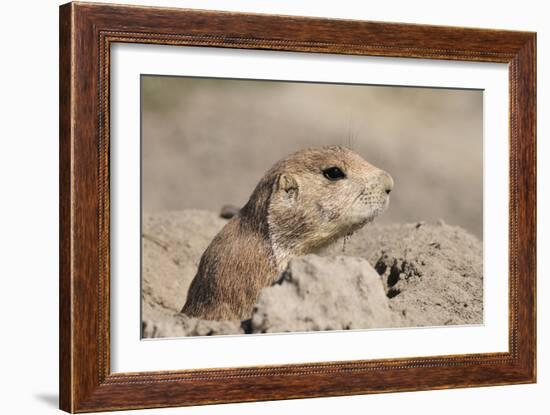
column 228, row 211
column 324, row 293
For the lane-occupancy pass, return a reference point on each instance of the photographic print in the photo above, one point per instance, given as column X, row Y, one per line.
column 297, row 206
column 277, row 206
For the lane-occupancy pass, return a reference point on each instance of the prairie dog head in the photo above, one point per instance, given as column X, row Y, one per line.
column 321, row 194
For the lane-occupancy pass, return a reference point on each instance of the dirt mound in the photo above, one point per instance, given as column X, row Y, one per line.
column 172, row 244
column 433, row 274
column 421, row 275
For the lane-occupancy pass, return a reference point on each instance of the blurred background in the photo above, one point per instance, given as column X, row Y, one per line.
column 207, row 142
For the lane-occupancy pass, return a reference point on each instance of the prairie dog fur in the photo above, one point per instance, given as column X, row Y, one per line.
column 304, row 202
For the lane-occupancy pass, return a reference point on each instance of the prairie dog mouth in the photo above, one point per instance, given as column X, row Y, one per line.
column 371, row 205
column 371, row 197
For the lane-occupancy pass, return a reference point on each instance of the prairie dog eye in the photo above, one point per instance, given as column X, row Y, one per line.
column 334, row 173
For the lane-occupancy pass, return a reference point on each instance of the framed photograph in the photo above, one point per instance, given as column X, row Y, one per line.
column 258, row 207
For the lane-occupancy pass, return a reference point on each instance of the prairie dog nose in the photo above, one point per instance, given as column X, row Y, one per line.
column 387, row 182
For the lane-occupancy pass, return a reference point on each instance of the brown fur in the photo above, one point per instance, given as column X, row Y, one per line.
column 294, row 210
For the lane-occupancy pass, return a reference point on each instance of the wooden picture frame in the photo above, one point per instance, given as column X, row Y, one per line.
column 86, row 33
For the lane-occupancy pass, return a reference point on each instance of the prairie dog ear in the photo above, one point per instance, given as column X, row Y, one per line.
column 288, row 184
